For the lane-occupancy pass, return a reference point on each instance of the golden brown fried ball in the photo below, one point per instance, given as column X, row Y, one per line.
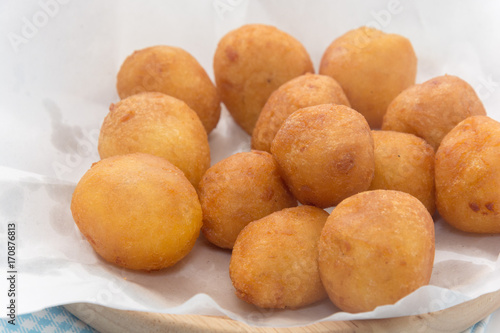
column 376, row 247
column 160, row 125
column 137, row 211
column 174, row 72
column 303, row 91
column 274, row 263
column 468, row 176
column 404, row 162
column 238, row 190
column 325, row 154
column 372, row 67
column 250, row 63
column 431, row 109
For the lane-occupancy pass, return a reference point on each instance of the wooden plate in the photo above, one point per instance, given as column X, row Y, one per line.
column 454, row 319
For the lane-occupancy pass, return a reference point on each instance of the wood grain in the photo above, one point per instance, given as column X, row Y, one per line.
column 451, row 320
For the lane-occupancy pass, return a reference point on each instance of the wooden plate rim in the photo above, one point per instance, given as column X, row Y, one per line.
column 454, row 319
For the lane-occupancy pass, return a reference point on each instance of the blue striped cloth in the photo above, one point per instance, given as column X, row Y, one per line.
column 51, row 320
column 59, row 320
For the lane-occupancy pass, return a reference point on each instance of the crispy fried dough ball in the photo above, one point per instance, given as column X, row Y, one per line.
column 274, row 263
column 372, row 67
column 325, row 154
column 137, row 211
column 404, row 162
column 238, row 190
column 160, row 125
column 303, row 91
column 376, row 247
column 431, row 109
column 174, row 72
column 250, row 63
column 468, row 176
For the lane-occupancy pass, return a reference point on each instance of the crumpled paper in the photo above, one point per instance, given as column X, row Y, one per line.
column 58, row 69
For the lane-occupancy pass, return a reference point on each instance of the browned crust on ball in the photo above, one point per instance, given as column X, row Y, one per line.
column 325, row 154
column 174, row 72
column 372, row 67
column 404, row 162
column 468, row 176
column 238, row 190
column 431, row 109
column 250, row 63
column 375, row 248
column 157, row 124
column 138, row 211
column 274, row 260
column 303, row 91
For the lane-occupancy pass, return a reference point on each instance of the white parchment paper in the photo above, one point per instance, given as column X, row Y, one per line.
column 58, row 64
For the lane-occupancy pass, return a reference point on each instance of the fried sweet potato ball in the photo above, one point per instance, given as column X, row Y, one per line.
column 468, row 176
column 325, row 154
column 250, row 63
column 303, row 91
column 174, row 72
column 404, row 162
column 160, row 125
column 375, row 248
column 431, row 109
column 238, row 190
column 274, row 263
column 138, row 211
column 372, row 67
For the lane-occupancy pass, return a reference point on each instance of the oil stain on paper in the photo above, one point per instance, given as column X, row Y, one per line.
column 64, row 137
